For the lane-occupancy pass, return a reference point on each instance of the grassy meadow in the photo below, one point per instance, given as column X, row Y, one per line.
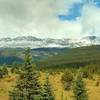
column 55, row 80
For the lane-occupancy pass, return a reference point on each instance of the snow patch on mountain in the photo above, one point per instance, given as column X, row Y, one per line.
column 34, row 42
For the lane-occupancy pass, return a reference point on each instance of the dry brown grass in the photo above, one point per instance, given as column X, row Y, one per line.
column 93, row 90
column 57, row 86
column 55, row 81
column 5, row 85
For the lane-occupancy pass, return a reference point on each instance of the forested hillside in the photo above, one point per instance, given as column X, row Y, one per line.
column 12, row 55
column 74, row 57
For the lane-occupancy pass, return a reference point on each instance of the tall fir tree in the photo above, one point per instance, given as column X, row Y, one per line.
column 47, row 93
column 27, row 86
column 79, row 90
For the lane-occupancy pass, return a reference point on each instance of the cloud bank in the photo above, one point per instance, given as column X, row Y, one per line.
column 40, row 18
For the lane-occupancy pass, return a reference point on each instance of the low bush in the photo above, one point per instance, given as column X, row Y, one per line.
column 67, row 79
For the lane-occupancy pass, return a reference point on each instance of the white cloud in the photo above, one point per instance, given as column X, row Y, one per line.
column 39, row 18
column 90, row 20
column 35, row 17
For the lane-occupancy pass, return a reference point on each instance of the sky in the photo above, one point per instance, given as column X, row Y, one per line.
column 49, row 18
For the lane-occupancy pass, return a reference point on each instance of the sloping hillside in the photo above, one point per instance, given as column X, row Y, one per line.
column 82, row 55
column 11, row 55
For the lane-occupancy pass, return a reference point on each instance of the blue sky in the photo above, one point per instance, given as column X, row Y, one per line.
column 49, row 18
column 76, row 10
column 97, row 3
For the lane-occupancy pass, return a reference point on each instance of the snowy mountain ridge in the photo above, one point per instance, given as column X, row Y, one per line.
column 34, row 42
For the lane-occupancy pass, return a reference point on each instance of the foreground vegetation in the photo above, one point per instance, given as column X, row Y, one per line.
column 56, row 85
column 26, row 82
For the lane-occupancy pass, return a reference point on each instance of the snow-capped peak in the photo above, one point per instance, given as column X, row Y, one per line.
column 34, row 42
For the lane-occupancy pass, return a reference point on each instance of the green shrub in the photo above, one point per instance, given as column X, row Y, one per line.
column 67, row 79
column 80, row 93
column 86, row 73
column 47, row 93
column 3, row 72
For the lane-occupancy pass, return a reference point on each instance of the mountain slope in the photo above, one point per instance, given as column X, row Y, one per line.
column 11, row 55
column 74, row 56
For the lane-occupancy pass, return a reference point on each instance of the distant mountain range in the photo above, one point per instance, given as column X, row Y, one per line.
column 34, row 42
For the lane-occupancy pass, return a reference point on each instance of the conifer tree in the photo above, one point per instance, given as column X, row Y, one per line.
column 79, row 90
column 47, row 93
column 27, row 87
column 67, row 79
column 1, row 73
column 5, row 70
